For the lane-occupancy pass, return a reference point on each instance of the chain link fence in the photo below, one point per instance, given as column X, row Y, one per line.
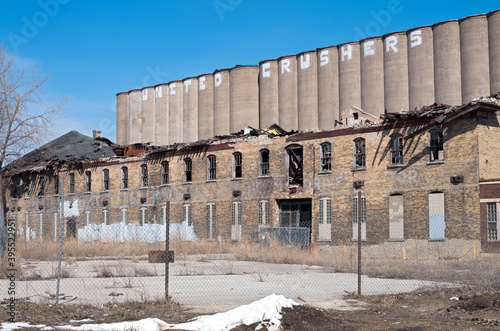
column 110, row 257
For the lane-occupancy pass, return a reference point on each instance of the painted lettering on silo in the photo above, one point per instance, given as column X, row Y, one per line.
column 307, row 85
column 287, row 84
column 372, row 75
column 494, row 47
column 268, row 93
column 148, row 115
column 221, row 102
column 135, row 104
column 190, row 109
column 205, row 106
column 349, row 76
column 420, row 67
column 122, row 119
column 474, row 57
column 175, row 105
column 328, row 87
column 244, row 97
column 161, row 114
column 447, row 68
column 396, row 72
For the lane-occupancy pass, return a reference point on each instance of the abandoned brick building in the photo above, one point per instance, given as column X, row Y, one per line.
column 431, row 174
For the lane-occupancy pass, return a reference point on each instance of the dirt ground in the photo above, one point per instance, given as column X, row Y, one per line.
column 429, row 310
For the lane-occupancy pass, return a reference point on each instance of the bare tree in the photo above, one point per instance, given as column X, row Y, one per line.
column 25, row 116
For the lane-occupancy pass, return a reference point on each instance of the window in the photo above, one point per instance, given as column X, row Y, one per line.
column 359, row 153
column 492, row 217
column 295, row 165
column 40, row 226
column 88, row 181
column 263, row 212
column 164, row 172
column 326, row 157
column 72, row 183
column 56, row 184
column 236, row 216
column 396, row 217
column 104, row 217
column 355, row 218
column 237, row 165
column 144, row 175
column 188, row 170
column 437, row 223
column 436, row 152
column 56, row 225
column 124, row 216
column 211, row 167
column 144, row 216
column 264, row 163
column 124, row 178
column 325, row 211
column 186, row 215
column 27, row 189
column 105, row 180
column 87, row 218
column 397, row 150
column 210, row 221
column 41, row 187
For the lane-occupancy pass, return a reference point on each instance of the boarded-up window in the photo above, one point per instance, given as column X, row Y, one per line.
column 186, row 215
column 263, row 212
column 40, row 226
column 396, row 217
column 437, row 223
column 236, row 215
column 355, row 218
column 87, row 218
column 124, row 216
column 210, row 221
column 325, row 219
column 55, row 226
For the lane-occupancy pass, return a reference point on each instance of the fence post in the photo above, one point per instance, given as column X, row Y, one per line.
column 167, row 246
column 61, row 243
column 359, row 242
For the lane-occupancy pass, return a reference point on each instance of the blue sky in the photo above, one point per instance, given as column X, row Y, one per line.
column 95, row 49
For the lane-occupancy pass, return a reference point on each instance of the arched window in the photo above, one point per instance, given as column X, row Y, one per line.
column 264, row 162
column 105, row 180
column 326, row 156
column 144, row 175
column 188, row 170
column 164, row 172
column 397, row 150
column 124, row 178
column 237, row 165
column 88, row 181
column 359, row 154
column 211, row 167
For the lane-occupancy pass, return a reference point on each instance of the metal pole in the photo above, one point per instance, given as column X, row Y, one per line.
column 359, row 242
column 61, row 243
column 167, row 246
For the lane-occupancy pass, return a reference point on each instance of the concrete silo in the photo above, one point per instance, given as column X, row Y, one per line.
column 190, row 109
column 268, row 93
column 420, row 67
column 372, row 75
column 328, row 87
column 161, row 114
column 122, row 118
column 494, row 46
column 244, row 97
column 287, row 92
column 307, row 90
column 221, row 102
column 148, row 114
column 447, row 68
column 205, row 106
column 396, row 72
column 474, row 57
column 135, row 104
column 349, row 76
column 175, row 116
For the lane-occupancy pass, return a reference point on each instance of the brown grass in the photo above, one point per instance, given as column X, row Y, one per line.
column 483, row 270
